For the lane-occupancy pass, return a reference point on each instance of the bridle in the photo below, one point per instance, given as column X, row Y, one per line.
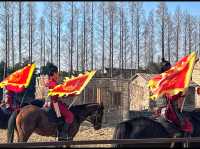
column 94, row 118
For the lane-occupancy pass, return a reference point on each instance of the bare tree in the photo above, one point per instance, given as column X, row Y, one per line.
column 145, row 44
column 20, row 26
column 177, row 30
column 31, row 19
column 92, row 45
column 199, row 36
column 169, row 32
column 42, row 41
column 12, row 36
column 132, row 32
column 161, row 19
column 151, row 35
column 83, row 53
column 72, row 40
column 121, row 60
column 77, row 37
column 137, row 18
column 51, row 22
column 189, row 32
column 6, row 37
column 58, row 32
column 185, row 28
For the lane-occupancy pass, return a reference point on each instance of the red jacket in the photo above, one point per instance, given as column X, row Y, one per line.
column 172, row 116
column 51, row 84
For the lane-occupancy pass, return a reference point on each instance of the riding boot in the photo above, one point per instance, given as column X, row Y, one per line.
column 63, row 132
column 186, row 135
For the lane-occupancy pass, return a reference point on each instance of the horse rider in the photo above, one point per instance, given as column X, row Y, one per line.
column 173, row 111
column 9, row 99
column 58, row 106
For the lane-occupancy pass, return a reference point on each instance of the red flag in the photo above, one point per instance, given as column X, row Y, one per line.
column 19, row 79
column 174, row 80
column 72, row 86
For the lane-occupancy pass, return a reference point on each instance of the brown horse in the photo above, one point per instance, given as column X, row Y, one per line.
column 35, row 119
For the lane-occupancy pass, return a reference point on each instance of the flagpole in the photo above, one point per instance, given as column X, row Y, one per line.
column 75, row 98
column 4, row 76
column 182, row 104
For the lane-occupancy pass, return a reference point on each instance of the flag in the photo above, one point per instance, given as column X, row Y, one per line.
column 19, row 79
column 174, row 80
column 72, row 86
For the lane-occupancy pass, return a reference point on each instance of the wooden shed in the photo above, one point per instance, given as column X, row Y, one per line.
column 139, row 92
column 114, row 93
column 139, row 95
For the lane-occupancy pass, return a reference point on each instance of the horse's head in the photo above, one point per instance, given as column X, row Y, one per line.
column 96, row 117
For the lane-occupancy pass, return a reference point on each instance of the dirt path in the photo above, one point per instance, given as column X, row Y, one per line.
column 85, row 133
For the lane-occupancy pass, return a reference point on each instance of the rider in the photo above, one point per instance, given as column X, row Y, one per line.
column 56, row 104
column 9, row 99
column 173, row 111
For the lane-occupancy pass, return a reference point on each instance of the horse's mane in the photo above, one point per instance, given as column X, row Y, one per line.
column 141, row 118
column 76, row 109
column 140, row 121
column 126, row 128
column 84, row 105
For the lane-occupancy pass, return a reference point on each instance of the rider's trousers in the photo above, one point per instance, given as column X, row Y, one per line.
column 68, row 116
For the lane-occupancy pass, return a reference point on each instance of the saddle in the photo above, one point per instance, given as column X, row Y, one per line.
column 51, row 114
column 170, row 127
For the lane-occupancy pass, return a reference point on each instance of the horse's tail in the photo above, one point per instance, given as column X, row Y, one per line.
column 11, row 126
column 121, row 132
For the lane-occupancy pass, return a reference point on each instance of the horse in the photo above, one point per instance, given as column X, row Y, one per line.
column 147, row 127
column 32, row 118
column 5, row 113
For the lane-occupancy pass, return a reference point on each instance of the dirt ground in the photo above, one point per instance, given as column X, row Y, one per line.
column 85, row 133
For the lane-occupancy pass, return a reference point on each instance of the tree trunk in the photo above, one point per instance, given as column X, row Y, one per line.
column 44, row 47
column 20, row 53
column 31, row 35
column 51, row 35
column 103, row 42
column 138, row 39
column 8, row 28
column 77, row 56
column 92, row 55
column 163, row 44
column 13, row 55
column 84, row 40
column 6, row 50
column 132, row 24
column 190, row 46
column 71, row 49
column 59, row 24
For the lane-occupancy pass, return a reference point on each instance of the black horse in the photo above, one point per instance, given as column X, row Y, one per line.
column 146, row 127
column 39, row 120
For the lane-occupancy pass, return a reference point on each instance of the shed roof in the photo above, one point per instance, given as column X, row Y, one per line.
column 146, row 76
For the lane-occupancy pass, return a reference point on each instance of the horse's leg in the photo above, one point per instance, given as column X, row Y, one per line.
column 23, row 136
column 17, row 133
column 23, row 132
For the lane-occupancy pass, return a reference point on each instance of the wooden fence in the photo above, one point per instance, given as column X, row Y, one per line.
column 89, row 142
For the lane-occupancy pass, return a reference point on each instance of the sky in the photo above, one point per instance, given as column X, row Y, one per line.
column 192, row 7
